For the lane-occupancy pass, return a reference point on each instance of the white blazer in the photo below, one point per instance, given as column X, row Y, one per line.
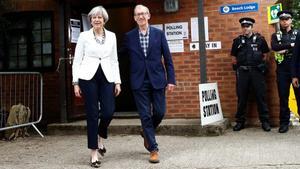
column 89, row 54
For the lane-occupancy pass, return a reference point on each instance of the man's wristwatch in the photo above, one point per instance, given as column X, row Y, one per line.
column 74, row 83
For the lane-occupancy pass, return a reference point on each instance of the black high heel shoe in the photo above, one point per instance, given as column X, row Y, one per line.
column 95, row 164
column 102, row 151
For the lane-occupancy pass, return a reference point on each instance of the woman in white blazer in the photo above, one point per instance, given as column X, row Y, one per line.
column 96, row 77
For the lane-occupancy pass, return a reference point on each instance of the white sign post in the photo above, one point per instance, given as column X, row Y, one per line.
column 210, row 106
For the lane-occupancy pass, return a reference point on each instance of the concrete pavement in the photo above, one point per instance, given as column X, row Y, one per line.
column 250, row 148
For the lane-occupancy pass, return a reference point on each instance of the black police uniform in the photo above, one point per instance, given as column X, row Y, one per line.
column 282, row 40
column 296, row 65
column 296, row 60
column 251, row 70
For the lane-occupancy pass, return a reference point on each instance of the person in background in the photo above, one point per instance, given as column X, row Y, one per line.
column 151, row 73
column 295, row 69
column 283, row 42
column 249, row 60
column 96, row 77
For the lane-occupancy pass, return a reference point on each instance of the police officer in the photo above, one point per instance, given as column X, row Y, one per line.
column 249, row 56
column 296, row 69
column 283, row 42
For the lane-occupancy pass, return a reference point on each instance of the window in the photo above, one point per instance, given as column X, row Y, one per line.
column 26, row 43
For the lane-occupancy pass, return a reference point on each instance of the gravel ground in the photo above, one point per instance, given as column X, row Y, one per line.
column 248, row 149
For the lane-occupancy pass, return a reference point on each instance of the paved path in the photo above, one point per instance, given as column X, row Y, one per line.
column 248, row 149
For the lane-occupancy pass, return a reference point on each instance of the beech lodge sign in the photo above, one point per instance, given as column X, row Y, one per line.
column 239, row 8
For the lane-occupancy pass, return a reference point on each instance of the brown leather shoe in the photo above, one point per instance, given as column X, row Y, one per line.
column 154, row 157
column 146, row 145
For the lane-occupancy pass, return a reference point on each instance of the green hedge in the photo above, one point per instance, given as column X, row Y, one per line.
column 294, row 6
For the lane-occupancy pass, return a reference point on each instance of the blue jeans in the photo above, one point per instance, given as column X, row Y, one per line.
column 151, row 104
column 95, row 91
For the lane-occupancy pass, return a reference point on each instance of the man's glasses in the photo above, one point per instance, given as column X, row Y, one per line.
column 245, row 26
column 141, row 14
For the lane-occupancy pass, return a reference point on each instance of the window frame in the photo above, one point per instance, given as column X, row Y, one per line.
column 29, row 17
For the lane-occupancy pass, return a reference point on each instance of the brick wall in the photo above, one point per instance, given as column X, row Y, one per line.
column 183, row 103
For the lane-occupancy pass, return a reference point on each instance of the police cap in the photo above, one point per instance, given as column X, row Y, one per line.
column 247, row 21
column 284, row 14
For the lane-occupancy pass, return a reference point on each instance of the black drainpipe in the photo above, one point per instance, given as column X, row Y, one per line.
column 62, row 67
column 202, row 50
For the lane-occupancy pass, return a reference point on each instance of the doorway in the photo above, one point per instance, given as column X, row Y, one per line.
column 121, row 21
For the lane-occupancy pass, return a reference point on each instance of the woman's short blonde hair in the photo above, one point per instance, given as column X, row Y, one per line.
column 98, row 10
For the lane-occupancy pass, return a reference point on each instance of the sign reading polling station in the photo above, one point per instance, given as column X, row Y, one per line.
column 175, row 31
column 210, row 106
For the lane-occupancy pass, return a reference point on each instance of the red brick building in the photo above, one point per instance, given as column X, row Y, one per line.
column 59, row 101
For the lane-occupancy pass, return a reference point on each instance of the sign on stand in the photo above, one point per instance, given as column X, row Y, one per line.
column 210, row 106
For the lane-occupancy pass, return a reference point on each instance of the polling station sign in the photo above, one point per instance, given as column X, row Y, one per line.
column 176, row 31
column 239, row 8
column 210, row 106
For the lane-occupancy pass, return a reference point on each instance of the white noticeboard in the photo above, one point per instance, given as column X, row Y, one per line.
column 208, row 45
column 174, row 31
column 158, row 26
column 195, row 30
column 210, row 106
column 75, row 26
column 176, row 46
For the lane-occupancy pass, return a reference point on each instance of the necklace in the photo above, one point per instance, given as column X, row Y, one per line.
column 100, row 40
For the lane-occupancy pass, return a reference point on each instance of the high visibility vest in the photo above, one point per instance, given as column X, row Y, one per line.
column 280, row 57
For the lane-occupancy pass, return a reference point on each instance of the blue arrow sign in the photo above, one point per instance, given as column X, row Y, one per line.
column 239, row 8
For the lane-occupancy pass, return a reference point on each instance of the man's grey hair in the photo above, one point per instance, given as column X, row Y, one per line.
column 142, row 6
column 99, row 10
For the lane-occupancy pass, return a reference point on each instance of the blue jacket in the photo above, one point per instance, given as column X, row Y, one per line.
column 160, row 72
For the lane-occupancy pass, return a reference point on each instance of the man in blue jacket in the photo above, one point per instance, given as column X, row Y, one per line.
column 151, row 73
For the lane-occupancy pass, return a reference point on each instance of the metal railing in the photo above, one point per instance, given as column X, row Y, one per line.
column 20, row 88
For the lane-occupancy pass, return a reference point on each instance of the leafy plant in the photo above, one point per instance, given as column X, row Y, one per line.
column 293, row 6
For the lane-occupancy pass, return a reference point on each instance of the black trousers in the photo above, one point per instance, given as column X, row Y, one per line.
column 97, row 91
column 247, row 79
column 284, row 81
